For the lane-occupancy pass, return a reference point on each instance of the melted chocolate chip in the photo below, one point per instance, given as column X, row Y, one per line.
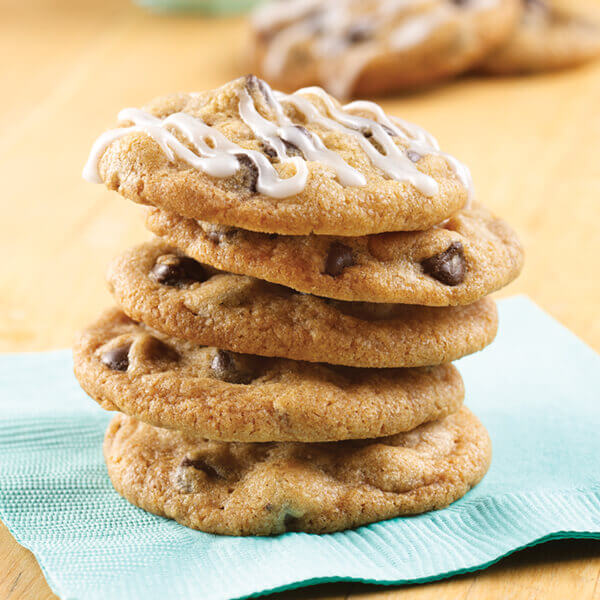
column 200, row 465
column 290, row 522
column 448, row 267
column 227, row 367
column 290, row 149
column 254, row 83
column 412, row 155
column 367, row 132
column 177, row 270
column 193, row 269
column 247, row 174
column 268, row 150
column 303, row 130
column 338, row 259
column 117, row 358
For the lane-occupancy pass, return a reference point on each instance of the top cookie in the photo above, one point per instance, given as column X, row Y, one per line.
column 549, row 37
column 245, row 156
column 366, row 47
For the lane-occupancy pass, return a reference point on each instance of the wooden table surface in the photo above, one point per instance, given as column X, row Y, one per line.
column 68, row 66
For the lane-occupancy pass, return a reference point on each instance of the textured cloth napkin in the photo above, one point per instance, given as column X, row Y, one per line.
column 537, row 390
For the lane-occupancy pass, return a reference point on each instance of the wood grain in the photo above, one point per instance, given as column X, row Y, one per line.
column 67, row 67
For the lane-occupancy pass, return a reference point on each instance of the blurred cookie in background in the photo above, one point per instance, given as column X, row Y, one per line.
column 549, row 37
column 368, row 47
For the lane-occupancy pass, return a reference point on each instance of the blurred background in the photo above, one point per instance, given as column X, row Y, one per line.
column 67, row 67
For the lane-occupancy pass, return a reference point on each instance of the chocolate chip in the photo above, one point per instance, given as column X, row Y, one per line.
column 193, row 269
column 247, row 173
column 303, row 130
column 217, row 234
column 226, row 366
column 359, row 32
column 448, row 267
column 368, row 132
column 290, row 522
column 256, row 83
column 177, row 270
column 117, row 358
column 414, row 156
column 338, row 259
column 268, row 150
column 290, row 149
column 200, row 465
column 166, row 274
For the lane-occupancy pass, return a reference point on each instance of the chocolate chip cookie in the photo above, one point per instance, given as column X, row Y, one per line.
column 266, row 489
column 246, row 156
column 158, row 285
column 457, row 262
column 367, row 47
column 224, row 396
column 549, row 37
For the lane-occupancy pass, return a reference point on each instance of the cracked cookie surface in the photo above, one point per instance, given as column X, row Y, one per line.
column 458, row 262
column 244, row 155
column 267, row 489
column 156, row 284
column 224, row 396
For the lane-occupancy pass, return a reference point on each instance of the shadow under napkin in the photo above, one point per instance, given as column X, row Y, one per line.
column 536, row 389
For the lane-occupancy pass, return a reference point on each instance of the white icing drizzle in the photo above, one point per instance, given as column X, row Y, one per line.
column 311, row 146
column 217, row 160
column 419, row 140
column 212, row 153
column 393, row 162
column 293, row 24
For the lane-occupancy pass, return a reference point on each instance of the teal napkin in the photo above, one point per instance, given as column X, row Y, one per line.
column 537, row 389
column 207, row 7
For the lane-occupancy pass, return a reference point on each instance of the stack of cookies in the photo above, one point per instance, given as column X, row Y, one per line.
column 281, row 351
column 366, row 47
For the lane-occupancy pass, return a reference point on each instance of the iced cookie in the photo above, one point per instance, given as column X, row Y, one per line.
column 266, row 489
column 156, row 284
column 235, row 397
column 549, row 37
column 367, row 47
column 457, row 262
column 246, row 156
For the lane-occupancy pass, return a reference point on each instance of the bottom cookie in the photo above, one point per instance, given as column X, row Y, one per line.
column 271, row 488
